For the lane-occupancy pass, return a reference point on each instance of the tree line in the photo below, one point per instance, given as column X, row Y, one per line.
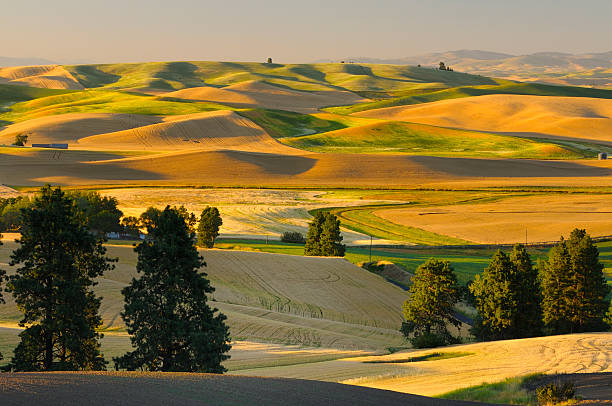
column 566, row 293
column 58, row 258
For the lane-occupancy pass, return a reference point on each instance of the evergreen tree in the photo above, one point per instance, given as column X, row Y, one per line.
column 497, row 299
column 507, row 297
column 574, row 287
column 324, row 237
column 528, row 319
column 429, row 308
column 312, row 246
column 59, row 258
column 166, row 312
column 208, row 229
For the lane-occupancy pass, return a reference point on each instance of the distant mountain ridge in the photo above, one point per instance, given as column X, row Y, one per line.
column 7, row 61
column 589, row 69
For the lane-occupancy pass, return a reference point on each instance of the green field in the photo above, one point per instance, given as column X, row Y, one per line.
column 421, row 139
column 101, row 101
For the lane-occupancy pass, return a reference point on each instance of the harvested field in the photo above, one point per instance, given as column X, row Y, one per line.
column 577, row 353
column 309, row 301
column 226, row 167
column 544, row 218
column 264, row 95
column 43, row 76
column 246, row 213
column 70, row 128
column 537, row 116
column 104, row 388
column 216, row 130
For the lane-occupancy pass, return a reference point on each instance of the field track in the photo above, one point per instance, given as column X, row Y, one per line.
column 125, row 388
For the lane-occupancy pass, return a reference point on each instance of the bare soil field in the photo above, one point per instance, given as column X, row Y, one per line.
column 568, row 117
column 545, row 218
column 121, row 388
column 264, row 95
column 45, row 76
column 489, row 362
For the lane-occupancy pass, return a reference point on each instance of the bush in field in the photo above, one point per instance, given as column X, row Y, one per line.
column 558, row 392
column 172, row 327
column 208, row 229
column 507, row 297
column 59, row 261
column 10, row 212
column 324, row 237
column 429, row 308
column 574, row 288
column 20, row 140
column 293, row 237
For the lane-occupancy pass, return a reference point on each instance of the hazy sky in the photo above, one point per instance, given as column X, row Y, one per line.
column 296, row 31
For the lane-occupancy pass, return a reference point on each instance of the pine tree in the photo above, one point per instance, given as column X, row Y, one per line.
column 528, row 319
column 574, row 287
column 312, row 246
column 208, row 229
column 60, row 258
column 497, row 299
column 429, row 308
column 166, row 312
column 324, row 237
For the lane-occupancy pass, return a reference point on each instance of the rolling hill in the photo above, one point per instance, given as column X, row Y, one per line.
column 588, row 119
column 220, row 123
column 309, row 301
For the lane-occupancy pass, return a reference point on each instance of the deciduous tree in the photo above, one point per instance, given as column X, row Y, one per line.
column 208, row 229
column 429, row 308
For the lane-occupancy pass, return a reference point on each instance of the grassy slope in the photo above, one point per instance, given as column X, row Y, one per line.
column 14, row 93
column 508, row 391
column 100, row 101
column 533, row 89
column 420, row 139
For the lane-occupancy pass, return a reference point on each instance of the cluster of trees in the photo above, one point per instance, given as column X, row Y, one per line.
column 166, row 310
column 324, row 237
column 565, row 294
column 100, row 213
column 206, row 228
column 444, row 67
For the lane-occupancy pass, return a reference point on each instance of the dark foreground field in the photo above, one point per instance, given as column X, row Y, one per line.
column 124, row 388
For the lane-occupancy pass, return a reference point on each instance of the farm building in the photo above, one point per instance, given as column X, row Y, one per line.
column 57, row 146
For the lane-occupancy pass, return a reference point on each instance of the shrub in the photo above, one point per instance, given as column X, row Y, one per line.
column 432, row 340
column 293, row 236
column 556, row 392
